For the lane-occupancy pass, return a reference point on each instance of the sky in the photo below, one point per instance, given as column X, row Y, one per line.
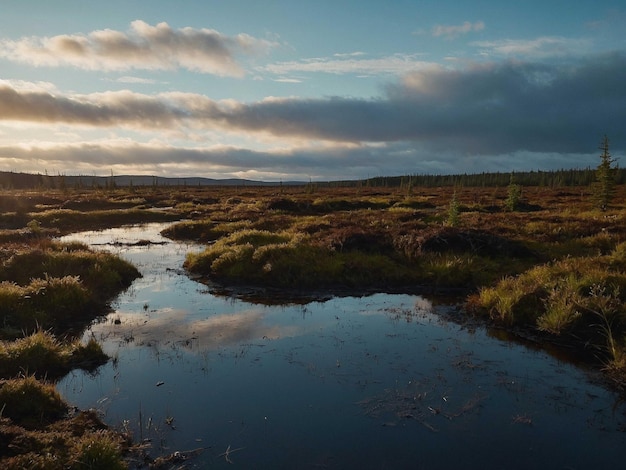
column 279, row 90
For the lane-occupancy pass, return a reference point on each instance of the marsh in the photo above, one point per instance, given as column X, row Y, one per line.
column 379, row 381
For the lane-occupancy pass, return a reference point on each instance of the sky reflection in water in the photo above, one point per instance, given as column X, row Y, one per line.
column 376, row 382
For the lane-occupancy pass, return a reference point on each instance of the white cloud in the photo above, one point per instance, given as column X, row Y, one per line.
column 546, row 46
column 139, row 80
column 287, row 80
column 482, row 109
column 144, row 46
column 350, row 64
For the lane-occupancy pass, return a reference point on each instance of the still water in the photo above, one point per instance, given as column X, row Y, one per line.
column 376, row 382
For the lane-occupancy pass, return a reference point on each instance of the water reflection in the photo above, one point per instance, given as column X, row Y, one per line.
column 375, row 382
column 173, row 325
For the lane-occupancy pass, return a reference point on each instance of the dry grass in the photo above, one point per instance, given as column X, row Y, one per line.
column 535, row 267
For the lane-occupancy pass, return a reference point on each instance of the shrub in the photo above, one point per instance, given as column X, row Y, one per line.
column 562, row 310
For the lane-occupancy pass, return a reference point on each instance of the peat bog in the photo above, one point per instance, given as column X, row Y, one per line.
column 550, row 271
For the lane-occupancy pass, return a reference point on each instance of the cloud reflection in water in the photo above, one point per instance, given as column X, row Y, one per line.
column 176, row 326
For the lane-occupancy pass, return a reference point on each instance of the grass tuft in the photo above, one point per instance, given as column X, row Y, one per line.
column 30, row 402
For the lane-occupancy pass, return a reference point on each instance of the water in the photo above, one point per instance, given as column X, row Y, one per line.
column 384, row 381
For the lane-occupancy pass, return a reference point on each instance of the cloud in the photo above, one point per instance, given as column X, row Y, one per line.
column 298, row 163
column 287, row 80
column 353, row 63
column 220, row 161
column 486, row 109
column 143, row 81
column 99, row 109
column 210, row 333
column 144, row 46
column 452, row 32
column 547, row 46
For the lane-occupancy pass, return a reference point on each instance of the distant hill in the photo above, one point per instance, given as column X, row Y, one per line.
column 553, row 178
column 12, row 180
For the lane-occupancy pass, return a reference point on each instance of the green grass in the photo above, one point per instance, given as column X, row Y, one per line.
column 290, row 260
column 579, row 300
column 41, row 354
column 104, row 271
column 68, row 220
column 295, row 259
column 97, row 451
column 30, row 402
column 55, row 283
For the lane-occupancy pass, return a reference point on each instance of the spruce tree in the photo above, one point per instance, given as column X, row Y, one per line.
column 604, row 185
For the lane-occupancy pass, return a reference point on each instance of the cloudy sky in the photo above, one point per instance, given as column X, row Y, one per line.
column 279, row 90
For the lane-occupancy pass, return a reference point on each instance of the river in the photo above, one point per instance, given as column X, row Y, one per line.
column 373, row 382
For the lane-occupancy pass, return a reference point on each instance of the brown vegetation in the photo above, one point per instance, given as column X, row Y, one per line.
column 551, row 264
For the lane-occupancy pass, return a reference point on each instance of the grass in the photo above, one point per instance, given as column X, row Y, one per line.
column 354, row 251
column 41, row 354
column 49, row 291
column 293, row 260
column 553, row 265
column 49, row 285
column 579, row 300
column 78, row 442
column 29, row 402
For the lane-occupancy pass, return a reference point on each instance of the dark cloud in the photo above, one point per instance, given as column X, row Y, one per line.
column 103, row 109
column 486, row 109
column 329, row 163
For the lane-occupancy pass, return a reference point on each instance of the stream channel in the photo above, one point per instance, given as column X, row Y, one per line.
column 380, row 381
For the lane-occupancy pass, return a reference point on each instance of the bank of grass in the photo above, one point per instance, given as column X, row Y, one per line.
column 36, row 431
column 64, row 221
column 43, row 355
column 202, row 230
column 68, row 220
column 575, row 300
column 352, row 259
column 51, row 285
column 49, row 291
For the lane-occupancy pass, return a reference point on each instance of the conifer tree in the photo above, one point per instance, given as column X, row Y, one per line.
column 454, row 211
column 604, row 185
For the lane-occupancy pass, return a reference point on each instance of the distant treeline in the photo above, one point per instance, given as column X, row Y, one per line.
column 556, row 178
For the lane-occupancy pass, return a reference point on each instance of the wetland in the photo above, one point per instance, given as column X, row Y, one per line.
column 312, row 327
column 377, row 381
